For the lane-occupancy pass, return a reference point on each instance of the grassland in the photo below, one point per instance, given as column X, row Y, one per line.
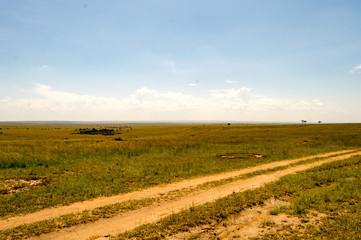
column 49, row 165
column 333, row 190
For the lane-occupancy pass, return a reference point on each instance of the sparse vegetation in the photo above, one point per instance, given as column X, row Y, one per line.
column 268, row 223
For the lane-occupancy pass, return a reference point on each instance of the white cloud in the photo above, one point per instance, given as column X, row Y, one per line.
column 5, row 100
column 232, row 98
column 43, row 67
column 151, row 100
column 356, row 69
column 51, row 100
column 231, row 81
column 192, row 84
column 149, row 104
column 318, row 102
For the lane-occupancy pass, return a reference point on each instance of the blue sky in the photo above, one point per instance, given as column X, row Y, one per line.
column 244, row 60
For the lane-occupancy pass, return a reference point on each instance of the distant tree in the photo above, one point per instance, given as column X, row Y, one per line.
column 319, row 122
column 303, row 122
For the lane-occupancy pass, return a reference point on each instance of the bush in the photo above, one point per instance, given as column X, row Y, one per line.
column 94, row 131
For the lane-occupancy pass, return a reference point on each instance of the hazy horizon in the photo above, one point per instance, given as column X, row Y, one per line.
column 180, row 61
column 69, row 122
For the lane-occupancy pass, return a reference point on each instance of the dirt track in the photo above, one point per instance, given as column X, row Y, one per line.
column 152, row 213
column 147, row 193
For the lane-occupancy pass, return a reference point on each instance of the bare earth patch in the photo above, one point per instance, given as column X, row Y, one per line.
column 252, row 223
column 9, row 186
column 244, row 225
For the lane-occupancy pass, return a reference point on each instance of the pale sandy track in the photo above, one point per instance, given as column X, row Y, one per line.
column 146, row 193
column 153, row 213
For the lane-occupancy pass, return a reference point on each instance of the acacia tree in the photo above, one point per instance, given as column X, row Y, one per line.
column 303, row 122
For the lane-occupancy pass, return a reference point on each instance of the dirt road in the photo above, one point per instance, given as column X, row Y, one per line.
column 146, row 193
column 153, row 213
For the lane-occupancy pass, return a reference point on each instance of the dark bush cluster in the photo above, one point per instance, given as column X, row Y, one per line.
column 94, row 131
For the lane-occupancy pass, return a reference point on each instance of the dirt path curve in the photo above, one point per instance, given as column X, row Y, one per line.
column 49, row 213
column 153, row 213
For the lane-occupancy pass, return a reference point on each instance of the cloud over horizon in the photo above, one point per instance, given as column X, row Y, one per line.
column 145, row 104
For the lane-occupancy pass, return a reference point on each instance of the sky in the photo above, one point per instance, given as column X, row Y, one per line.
column 173, row 60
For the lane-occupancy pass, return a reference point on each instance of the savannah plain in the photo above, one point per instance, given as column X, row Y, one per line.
column 167, row 181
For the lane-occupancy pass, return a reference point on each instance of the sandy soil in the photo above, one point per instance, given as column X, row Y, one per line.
column 130, row 220
column 49, row 213
column 244, row 225
column 251, row 223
